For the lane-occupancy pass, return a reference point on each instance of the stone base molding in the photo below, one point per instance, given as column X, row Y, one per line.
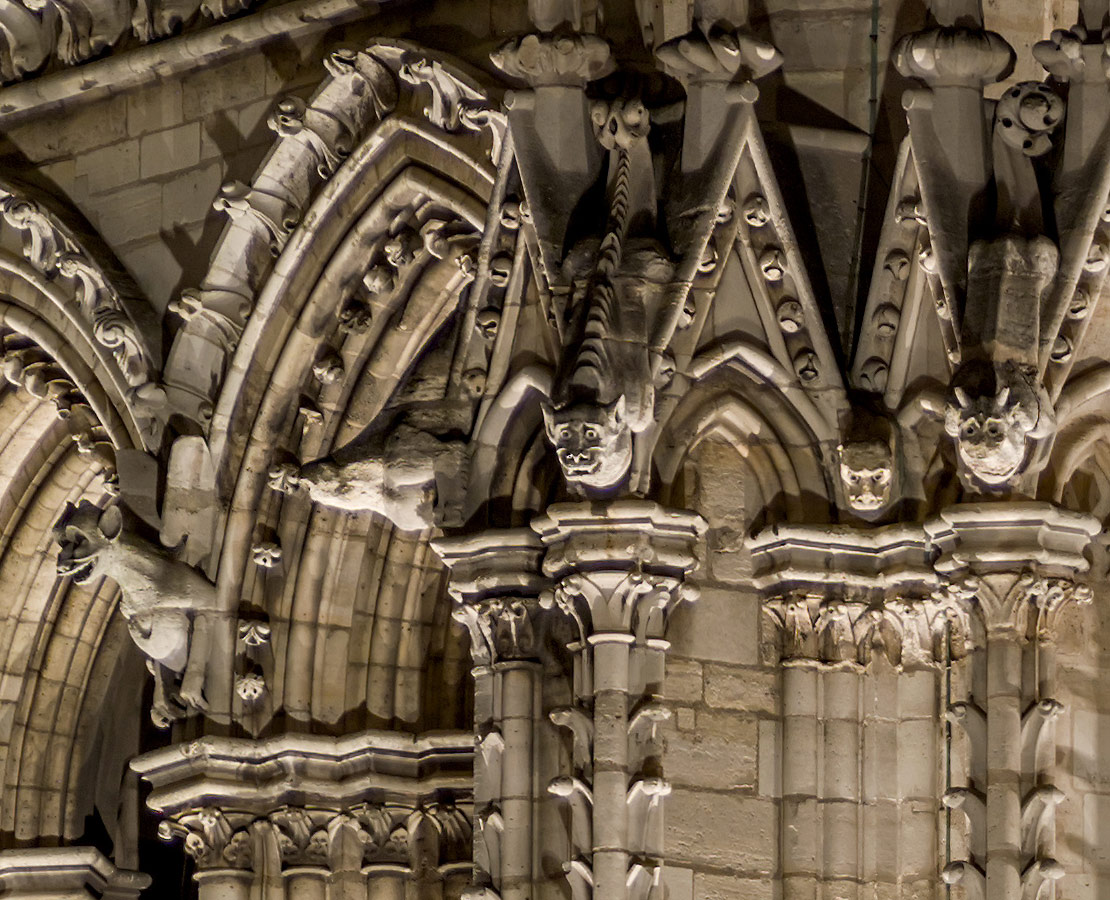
column 66, row 873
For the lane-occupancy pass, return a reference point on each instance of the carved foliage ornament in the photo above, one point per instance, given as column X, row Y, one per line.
column 909, row 633
column 420, row 837
column 53, row 252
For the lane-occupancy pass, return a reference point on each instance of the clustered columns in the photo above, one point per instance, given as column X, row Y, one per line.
column 617, row 570
column 1016, row 565
column 862, row 652
column 496, row 583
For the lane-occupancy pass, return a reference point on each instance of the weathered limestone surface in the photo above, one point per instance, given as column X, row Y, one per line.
column 517, row 451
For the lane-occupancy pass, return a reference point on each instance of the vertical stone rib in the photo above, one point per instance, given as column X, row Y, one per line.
column 1003, row 757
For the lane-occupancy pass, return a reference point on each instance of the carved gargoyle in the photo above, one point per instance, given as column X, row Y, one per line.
column 412, row 477
column 868, row 465
column 998, row 414
column 168, row 605
column 621, row 225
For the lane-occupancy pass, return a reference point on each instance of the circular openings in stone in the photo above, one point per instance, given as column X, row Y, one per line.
column 756, row 212
column 790, row 315
column 772, row 264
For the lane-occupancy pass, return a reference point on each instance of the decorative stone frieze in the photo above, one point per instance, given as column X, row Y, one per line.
column 618, row 569
column 332, row 811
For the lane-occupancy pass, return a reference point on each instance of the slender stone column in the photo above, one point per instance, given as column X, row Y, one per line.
column 619, row 569
column 66, row 873
column 1016, row 566
column 496, row 583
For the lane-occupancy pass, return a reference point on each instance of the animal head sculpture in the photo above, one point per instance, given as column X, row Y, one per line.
column 593, row 442
column 866, row 474
column 991, row 431
column 84, row 533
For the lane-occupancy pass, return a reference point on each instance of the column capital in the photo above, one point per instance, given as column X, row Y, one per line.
column 619, row 567
column 313, row 801
column 496, row 582
column 1013, row 559
column 840, row 594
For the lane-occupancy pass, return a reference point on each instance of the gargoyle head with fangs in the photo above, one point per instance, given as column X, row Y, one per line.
column 867, row 474
column 593, row 442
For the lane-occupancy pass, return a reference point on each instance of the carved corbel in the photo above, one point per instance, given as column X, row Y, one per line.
column 969, row 876
column 1038, row 817
column 581, row 879
column 580, row 799
column 973, row 805
column 488, row 829
column 644, row 883
column 1036, row 735
column 1038, row 879
column 645, row 740
column 645, row 815
column 972, row 720
column 581, row 728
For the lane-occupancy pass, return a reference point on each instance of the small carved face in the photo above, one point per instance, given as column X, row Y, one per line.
column 593, row 443
column 991, row 446
column 990, row 434
column 83, row 533
column 867, row 470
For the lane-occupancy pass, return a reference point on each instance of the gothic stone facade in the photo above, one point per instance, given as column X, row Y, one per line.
column 552, row 449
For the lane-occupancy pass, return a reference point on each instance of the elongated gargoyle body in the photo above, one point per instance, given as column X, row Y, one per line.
column 168, row 605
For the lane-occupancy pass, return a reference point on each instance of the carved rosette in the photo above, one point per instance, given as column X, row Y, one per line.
column 618, row 571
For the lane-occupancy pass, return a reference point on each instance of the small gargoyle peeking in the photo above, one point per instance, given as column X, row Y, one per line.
column 168, row 605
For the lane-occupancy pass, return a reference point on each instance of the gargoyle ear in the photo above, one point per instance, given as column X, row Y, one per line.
column 111, row 522
column 1001, row 397
column 63, row 520
column 617, row 410
column 951, row 420
column 548, row 419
